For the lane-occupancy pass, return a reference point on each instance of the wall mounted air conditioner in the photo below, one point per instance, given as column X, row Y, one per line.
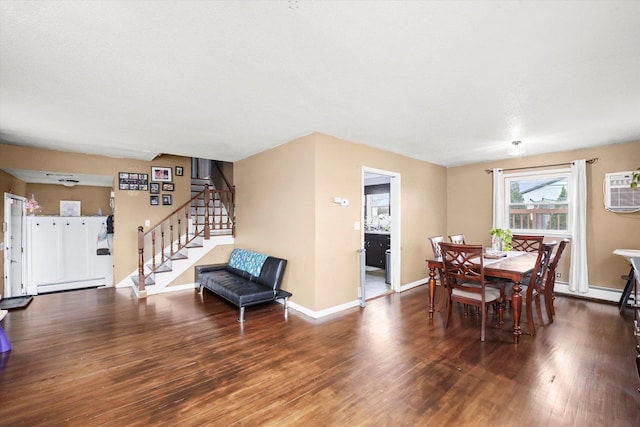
column 618, row 194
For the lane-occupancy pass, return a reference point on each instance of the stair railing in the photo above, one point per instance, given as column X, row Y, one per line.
column 208, row 212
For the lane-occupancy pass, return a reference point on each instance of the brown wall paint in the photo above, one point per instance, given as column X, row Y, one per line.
column 131, row 207
column 49, row 196
column 469, row 207
column 285, row 205
column 284, row 208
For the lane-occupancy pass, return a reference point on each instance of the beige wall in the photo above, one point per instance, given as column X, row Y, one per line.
column 469, row 207
column 275, row 211
column 131, row 207
column 93, row 199
column 285, row 208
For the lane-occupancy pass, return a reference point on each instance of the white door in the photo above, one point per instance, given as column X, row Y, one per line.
column 14, row 239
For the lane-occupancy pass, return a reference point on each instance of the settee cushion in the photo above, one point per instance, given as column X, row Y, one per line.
column 248, row 261
column 237, row 289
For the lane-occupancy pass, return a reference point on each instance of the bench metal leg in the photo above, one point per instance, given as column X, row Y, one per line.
column 241, row 319
column 286, row 308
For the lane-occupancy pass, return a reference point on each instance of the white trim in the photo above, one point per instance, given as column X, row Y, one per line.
column 325, row 312
column 415, row 284
column 396, row 213
column 597, row 293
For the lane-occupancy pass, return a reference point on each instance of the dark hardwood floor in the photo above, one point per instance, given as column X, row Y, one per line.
column 100, row 357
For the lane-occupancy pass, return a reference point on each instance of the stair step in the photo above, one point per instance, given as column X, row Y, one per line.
column 148, row 281
column 162, row 268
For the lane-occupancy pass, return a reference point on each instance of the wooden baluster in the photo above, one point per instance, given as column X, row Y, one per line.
column 233, row 211
column 179, row 231
column 171, row 236
column 207, row 230
column 229, row 210
column 153, row 250
column 216, row 205
column 186, row 221
column 140, row 259
column 196, row 218
column 162, row 242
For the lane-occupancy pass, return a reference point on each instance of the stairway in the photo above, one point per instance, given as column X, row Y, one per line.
column 175, row 244
column 157, row 281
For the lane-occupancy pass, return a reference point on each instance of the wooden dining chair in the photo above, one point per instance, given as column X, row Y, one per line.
column 464, row 271
column 437, row 253
column 523, row 243
column 457, row 239
column 533, row 285
column 550, row 281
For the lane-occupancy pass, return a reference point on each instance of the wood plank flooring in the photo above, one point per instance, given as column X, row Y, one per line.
column 103, row 358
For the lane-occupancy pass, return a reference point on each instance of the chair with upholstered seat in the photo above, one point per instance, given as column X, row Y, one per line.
column 550, row 280
column 522, row 243
column 457, row 239
column 437, row 253
column 533, row 286
column 464, row 272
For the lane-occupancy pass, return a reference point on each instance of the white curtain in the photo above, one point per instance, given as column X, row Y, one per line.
column 578, row 273
column 498, row 199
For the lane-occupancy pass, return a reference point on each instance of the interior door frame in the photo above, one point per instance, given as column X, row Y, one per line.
column 396, row 209
column 7, row 227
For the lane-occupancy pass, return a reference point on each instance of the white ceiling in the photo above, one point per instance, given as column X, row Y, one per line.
column 447, row 82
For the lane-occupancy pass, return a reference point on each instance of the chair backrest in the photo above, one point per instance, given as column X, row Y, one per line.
column 457, row 239
column 540, row 271
column 553, row 264
column 522, row 243
column 463, row 267
column 435, row 245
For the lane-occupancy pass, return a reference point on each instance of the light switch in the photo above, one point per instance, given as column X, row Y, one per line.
column 147, row 222
column 356, row 225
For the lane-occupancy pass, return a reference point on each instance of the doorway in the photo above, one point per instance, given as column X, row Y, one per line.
column 380, row 233
column 14, row 238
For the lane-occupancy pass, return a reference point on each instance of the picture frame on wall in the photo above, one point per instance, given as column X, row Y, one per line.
column 160, row 174
column 166, row 199
column 168, row 186
column 70, row 208
column 133, row 181
column 154, row 200
column 179, row 171
column 154, row 188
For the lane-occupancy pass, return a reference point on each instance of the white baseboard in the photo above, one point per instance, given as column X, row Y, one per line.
column 595, row 292
column 414, row 284
column 322, row 313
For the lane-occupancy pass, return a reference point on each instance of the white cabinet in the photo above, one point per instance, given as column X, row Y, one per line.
column 61, row 254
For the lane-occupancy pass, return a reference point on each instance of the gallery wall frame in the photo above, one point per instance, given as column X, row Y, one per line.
column 133, row 181
column 161, row 174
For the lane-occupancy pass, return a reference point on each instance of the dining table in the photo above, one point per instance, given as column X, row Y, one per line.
column 513, row 266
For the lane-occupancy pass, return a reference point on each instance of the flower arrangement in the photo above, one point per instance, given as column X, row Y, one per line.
column 32, row 205
column 500, row 239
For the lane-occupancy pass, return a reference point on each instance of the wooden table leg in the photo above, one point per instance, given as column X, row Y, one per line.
column 432, row 292
column 516, row 305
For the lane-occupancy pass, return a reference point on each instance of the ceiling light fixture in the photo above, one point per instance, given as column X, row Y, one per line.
column 516, row 149
column 68, row 182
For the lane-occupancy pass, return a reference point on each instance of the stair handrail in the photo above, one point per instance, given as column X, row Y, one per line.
column 209, row 195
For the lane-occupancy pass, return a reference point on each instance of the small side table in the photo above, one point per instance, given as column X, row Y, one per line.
column 630, row 286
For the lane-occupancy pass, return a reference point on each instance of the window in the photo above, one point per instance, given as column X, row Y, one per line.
column 537, row 202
